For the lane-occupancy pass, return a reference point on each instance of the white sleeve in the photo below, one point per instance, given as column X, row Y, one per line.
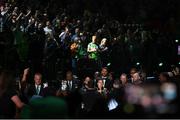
column 61, row 34
column 88, row 48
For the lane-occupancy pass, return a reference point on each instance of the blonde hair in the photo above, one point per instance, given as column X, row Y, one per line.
column 103, row 41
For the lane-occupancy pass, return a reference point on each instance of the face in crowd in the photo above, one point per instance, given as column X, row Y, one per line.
column 123, row 79
column 104, row 72
column 100, row 84
column 87, row 80
column 69, row 76
column 136, row 76
column 38, row 79
column 132, row 72
column 48, row 24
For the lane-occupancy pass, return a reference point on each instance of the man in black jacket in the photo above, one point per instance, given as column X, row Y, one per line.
column 71, row 84
column 36, row 89
column 105, row 77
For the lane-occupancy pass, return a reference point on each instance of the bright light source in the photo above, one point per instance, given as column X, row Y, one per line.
column 179, row 63
column 108, row 64
column 160, row 64
column 176, row 41
column 137, row 63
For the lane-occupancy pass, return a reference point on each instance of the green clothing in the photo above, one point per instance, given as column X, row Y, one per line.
column 49, row 107
column 81, row 52
column 93, row 55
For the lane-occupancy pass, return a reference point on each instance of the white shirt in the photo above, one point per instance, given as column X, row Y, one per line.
column 3, row 12
column 38, row 87
column 70, row 84
column 104, row 82
column 48, row 31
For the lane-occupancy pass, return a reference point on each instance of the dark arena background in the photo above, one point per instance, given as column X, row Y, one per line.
column 89, row 59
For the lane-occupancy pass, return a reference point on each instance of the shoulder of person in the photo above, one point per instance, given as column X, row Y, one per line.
column 89, row 43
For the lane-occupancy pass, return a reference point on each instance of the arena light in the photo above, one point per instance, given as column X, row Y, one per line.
column 108, row 64
column 160, row 64
column 176, row 41
column 137, row 63
column 179, row 63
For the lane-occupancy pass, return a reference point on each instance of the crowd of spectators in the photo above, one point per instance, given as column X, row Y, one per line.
column 101, row 96
column 69, row 62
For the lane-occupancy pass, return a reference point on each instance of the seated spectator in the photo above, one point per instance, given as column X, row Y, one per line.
column 70, row 84
column 9, row 99
column 105, row 77
column 33, row 89
column 87, row 84
column 100, row 88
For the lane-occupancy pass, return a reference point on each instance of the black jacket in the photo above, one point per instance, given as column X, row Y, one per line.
column 31, row 90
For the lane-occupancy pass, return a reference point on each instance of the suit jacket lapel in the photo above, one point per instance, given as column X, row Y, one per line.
column 40, row 92
column 34, row 89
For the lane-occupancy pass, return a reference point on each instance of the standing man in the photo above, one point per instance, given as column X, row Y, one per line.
column 93, row 53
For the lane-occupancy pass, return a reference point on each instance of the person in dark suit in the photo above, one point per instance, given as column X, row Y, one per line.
column 70, row 84
column 106, row 79
column 36, row 89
